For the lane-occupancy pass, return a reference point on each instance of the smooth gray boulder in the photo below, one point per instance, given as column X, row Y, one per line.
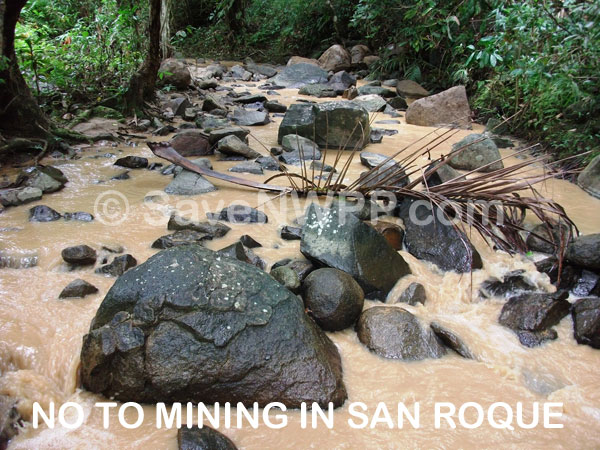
column 337, row 238
column 476, row 152
column 396, row 334
column 191, row 325
column 370, row 102
column 247, row 118
column 233, row 145
column 410, row 89
column 298, row 75
column 190, row 183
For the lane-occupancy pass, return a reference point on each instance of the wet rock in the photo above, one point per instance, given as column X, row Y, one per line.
column 302, row 267
column 340, row 81
column 210, row 83
column 300, row 59
column 443, row 174
column 318, row 90
column 446, row 108
column 261, row 69
column 347, row 244
column 132, row 162
column 179, row 105
column 586, row 283
column 191, row 143
column 212, row 103
column 268, row 163
column 204, row 438
column 584, row 251
column 43, row 213
column 19, row 196
column 239, row 73
column 275, row 107
column 218, row 134
column 389, row 174
column 249, row 241
column 155, row 166
column 301, row 145
column 118, row 266
column 247, row 167
column 79, row 255
column 78, row 216
column 232, row 145
column 512, row 284
column 371, row 102
column 113, row 247
column 252, row 98
column 413, row 294
column 190, row 183
column 451, row 340
column 244, row 117
column 536, row 338
column 376, row 90
column 239, row 214
column 435, row 240
column 122, row 176
column 335, row 58
column 189, row 325
column 589, row 179
column 392, row 233
column 320, row 166
column 534, row 312
column 174, row 72
column 78, row 289
column 586, row 321
column 358, row 53
column 18, row 260
column 330, row 124
column 210, row 122
column 410, row 89
column 10, row 420
column 181, row 237
column 297, row 75
column 333, row 298
column 397, row 103
column 215, row 230
column 546, row 237
column 372, row 160
column 397, row 334
column 287, row 277
column 291, row 233
column 568, row 276
column 476, row 152
column 46, row 178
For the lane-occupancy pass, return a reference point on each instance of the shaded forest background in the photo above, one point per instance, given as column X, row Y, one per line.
column 539, row 59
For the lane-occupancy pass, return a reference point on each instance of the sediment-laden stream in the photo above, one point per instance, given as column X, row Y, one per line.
column 41, row 336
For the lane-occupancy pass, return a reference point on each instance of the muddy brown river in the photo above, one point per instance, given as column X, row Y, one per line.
column 41, row 336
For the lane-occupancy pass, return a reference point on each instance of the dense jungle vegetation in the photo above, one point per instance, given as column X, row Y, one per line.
column 538, row 59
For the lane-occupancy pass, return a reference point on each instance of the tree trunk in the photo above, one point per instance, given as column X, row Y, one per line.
column 165, row 29
column 20, row 114
column 143, row 83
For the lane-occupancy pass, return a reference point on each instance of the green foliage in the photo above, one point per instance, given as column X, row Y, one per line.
column 86, row 49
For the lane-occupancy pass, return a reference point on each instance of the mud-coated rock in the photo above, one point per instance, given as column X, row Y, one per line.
column 586, row 321
column 336, row 238
column 333, row 298
column 534, row 312
column 397, row 334
column 432, row 239
column 191, row 143
column 204, row 438
column 190, row 325
column 446, row 108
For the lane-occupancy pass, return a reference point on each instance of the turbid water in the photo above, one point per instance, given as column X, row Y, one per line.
column 40, row 335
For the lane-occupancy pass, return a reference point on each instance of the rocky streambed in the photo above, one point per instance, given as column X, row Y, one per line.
column 115, row 284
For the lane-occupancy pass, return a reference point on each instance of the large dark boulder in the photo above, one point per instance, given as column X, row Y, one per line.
column 191, row 143
column 132, row 162
column 204, row 438
column 79, row 255
column 586, row 321
column 333, row 298
column 338, row 124
column 191, row 325
column 118, row 266
column 546, row 237
column 437, row 241
column 534, row 312
column 395, row 333
column 298, row 75
column 336, row 238
column 584, row 251
column 43, row 213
